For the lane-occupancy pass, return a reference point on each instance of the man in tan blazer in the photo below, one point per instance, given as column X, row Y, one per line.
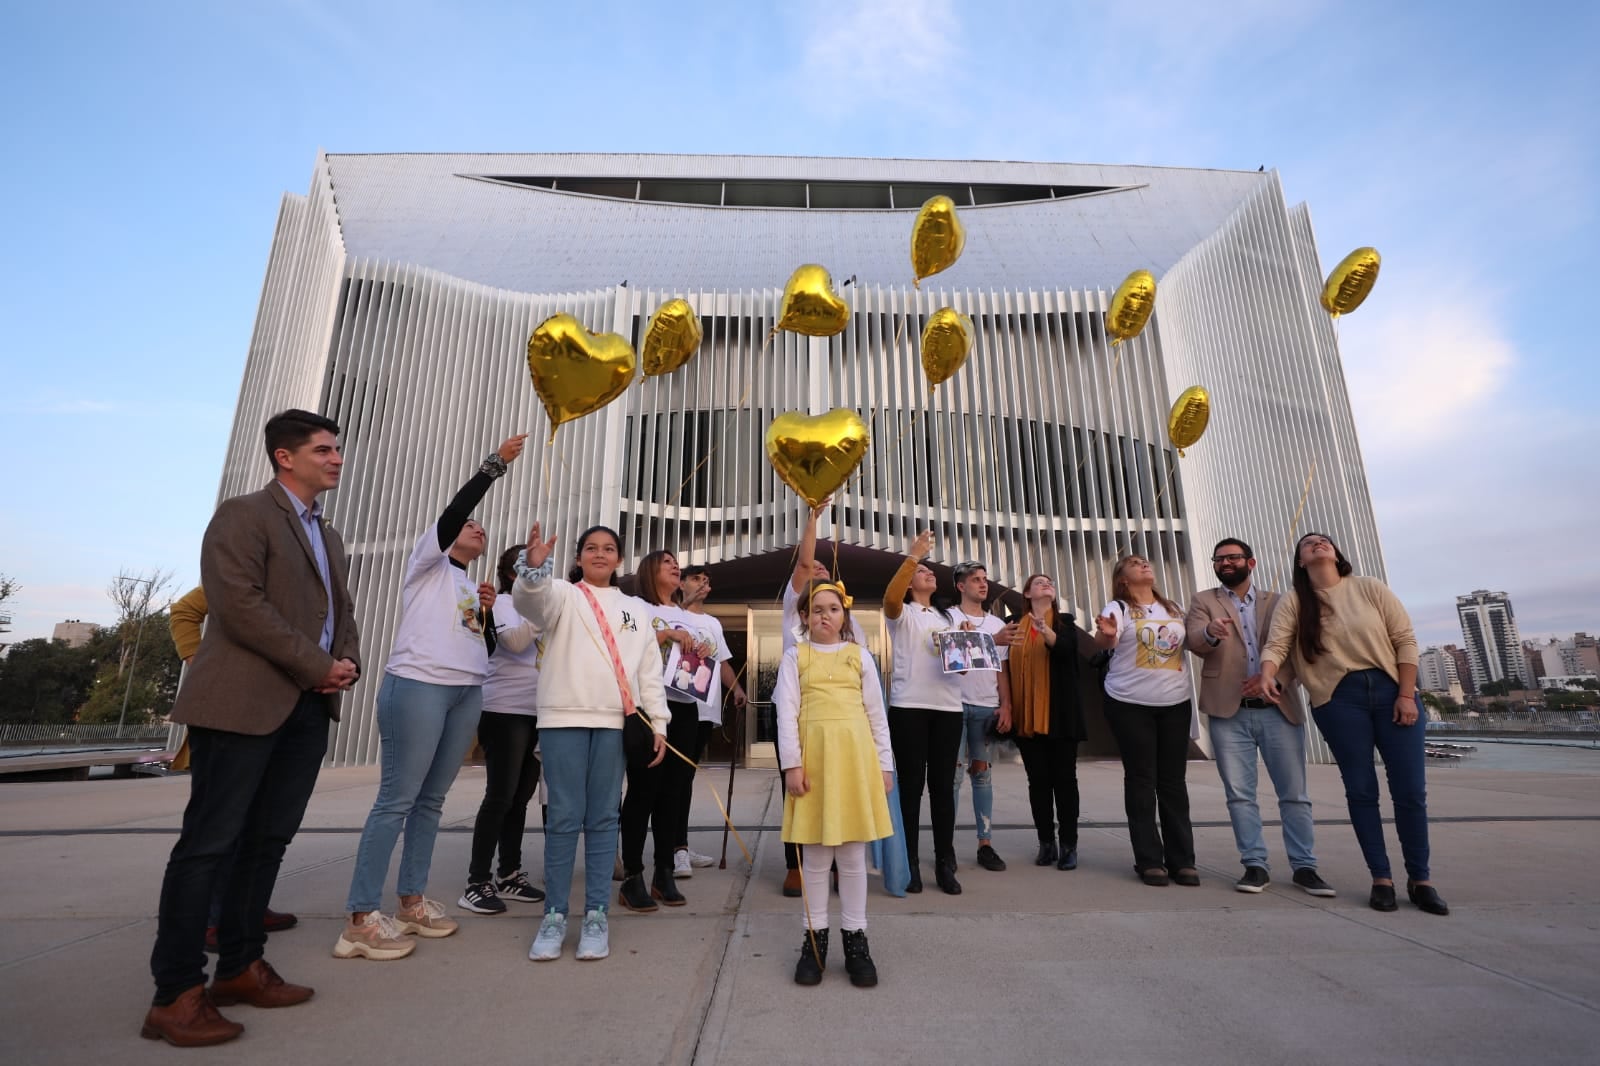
column 1226, row 627
column 279, row 647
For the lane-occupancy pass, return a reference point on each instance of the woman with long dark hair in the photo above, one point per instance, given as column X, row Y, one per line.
column 509, row 732
column 1047, row 717
column 1149, row 710
column 1352, row 646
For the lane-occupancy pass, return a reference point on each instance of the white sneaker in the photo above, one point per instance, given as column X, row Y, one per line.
column 680, row 863
column 547, row 942
column 699, row 861
column 595, row 940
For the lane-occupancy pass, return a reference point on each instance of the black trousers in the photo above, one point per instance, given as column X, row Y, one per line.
column 926, row 745
column 1052, row 767
column 511, row 773
column 653, row 797
column 680, row 829
column 247, row 795
column 1155, row 759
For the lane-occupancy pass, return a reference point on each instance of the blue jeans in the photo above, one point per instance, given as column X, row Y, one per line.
column 1282, row 745
column 583, row 771
column 1359, row 718
column 976, row 741
column 425, row 731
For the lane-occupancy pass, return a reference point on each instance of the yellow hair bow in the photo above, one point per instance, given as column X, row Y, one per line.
column 832, row 586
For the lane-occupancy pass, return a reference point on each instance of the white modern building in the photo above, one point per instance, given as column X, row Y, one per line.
column 1494, row 647
column 1436, row 672
column 401, row 291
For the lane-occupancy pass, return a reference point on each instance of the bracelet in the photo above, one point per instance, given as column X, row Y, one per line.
column 494, row 466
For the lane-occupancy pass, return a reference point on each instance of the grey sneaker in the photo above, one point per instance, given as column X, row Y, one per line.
column 547, row 942
column 1306, row 877
column 594, row 942
column 1254, row 880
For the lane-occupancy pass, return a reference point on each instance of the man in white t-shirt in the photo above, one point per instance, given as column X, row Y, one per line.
column 985, row 706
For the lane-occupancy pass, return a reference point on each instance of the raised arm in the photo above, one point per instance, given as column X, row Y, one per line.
column 805, row 556
column 459, row 509
column 537, row 594
column 894, row 597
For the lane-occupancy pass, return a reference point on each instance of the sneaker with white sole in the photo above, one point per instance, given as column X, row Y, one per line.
column 594, row 942
column 680, row 864
column 479, row 897
column 425, row 917
column 548, row 940
column 377, row 938
column 518, row 889
column 699, row 861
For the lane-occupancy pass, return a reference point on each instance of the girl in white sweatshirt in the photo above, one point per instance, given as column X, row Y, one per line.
column 594, row 672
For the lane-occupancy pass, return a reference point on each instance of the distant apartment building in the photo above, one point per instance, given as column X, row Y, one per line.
column 1549, row 660
column 1463, row 668
column 1436, row 672
column 74, row 632
column 1494, row 648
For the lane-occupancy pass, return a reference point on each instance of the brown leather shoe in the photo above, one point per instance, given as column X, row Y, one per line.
column 189, row 1021
column 260, row 986
column 278, row 921
column 791, row 884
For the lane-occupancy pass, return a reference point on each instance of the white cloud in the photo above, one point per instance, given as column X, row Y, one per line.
column 901, row 50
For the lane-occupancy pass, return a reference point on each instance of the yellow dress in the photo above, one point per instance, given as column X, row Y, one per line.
column 846, row 802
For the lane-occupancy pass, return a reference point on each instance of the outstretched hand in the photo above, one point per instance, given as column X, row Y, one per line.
column 538, row 549
column 922, row 545
column 512, row 447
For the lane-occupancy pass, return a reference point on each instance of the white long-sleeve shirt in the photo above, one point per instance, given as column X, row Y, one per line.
column 786, row 696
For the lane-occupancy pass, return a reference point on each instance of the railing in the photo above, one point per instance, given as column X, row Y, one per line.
column 13, row 735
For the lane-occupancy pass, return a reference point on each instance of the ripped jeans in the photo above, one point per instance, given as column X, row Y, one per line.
column 977, row 743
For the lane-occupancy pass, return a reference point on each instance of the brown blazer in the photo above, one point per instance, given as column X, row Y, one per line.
column 266, row 606
column 1224, row 667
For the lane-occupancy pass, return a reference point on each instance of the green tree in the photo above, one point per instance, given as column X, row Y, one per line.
column 154, row 681
column 44, row 681
column 1496, row 688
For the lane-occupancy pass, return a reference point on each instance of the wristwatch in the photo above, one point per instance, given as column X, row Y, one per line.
column 494, row 466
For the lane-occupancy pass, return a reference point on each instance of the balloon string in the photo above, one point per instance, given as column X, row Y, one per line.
column 1294, row 523
column 750, row 376
column 725, row 818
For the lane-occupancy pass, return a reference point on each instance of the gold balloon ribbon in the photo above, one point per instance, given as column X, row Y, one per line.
column 728, row 821
column 1294, row 523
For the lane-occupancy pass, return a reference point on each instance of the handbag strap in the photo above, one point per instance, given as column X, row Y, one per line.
column 628, row 706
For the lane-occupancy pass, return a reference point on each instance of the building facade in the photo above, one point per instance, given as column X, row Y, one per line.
column 1494, row 647
column 401, row 291
column 1436, row 672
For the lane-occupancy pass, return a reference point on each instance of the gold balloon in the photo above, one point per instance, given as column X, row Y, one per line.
column 814, row 454
column 1131, row 306
column 1350, row 281
column 1188, row 419
column 937, row 238
column 946, row 343
column 671, row 338
column 810, row 305
column 575, row 371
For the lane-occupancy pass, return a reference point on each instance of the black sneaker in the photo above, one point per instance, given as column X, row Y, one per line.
column 518, row 889
column 481, row 898
column 1306, row 877
column 1255, row 879
column 989, row 859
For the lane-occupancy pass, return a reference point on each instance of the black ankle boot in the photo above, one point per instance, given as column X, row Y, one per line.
column 944, row 872
column 665, row 888
column 858, row 959
column 808, row 971
column 915, row 884
column 634, row 896
column 1047, row 853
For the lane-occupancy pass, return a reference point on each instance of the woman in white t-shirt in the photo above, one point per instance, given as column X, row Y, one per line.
column 925, row 716
column 1148, row 707
column 428, row 708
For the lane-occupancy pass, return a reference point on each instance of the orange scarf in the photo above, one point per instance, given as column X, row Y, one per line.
column 1028, row 667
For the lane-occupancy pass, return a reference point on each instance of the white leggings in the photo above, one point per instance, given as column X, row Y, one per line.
column 815, row 861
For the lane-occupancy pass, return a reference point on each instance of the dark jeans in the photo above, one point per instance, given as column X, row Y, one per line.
column 1155, row 758
column 926, row 745
column 653, row 796
column 511, row 773
column 1359, row 718
column 702, row 736
column 1052, row 767
column 247, row 795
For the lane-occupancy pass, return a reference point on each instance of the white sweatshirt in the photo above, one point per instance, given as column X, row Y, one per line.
column 577, row 684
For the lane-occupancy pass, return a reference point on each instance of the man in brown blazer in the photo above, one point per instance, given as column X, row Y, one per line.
column 1226, row 627
column 279, row 647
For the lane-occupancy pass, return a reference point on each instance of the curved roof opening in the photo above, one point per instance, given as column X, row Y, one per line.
column 800, row 195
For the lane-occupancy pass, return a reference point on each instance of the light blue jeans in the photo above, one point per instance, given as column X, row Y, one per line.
column 583, row 771
column 976, row 741
column 425, row 731
column 1282, row 746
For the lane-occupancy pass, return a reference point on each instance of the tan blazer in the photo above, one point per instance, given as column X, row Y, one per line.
column 266, row 606
column 1224, row 667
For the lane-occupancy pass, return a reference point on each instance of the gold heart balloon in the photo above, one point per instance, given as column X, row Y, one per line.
column 946, row 343
column 671, row 338
column 1351, row 281
column 1188, row 418
column 937, row 238
column 810, row 305
column 814, row 454
column 1135, row 298
column 575, row 371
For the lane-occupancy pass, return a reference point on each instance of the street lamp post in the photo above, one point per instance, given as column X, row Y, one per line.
column 134, row 661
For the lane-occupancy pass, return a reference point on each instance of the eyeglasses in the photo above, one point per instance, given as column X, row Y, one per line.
column 1232, row 557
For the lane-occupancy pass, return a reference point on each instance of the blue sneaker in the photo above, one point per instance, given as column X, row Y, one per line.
column 547, row 942
column 595, row 940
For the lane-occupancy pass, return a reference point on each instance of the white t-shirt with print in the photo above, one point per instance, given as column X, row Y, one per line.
column 440, row 639
column 669, row 616
column 791, row 619
column 981, row 688
column 708, row 627
column 1147, row 664
column 918, row 679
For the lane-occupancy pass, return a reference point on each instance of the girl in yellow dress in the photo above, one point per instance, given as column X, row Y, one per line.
column 833, row 745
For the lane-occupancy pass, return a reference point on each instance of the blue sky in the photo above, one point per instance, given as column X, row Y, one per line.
column 147, row 147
